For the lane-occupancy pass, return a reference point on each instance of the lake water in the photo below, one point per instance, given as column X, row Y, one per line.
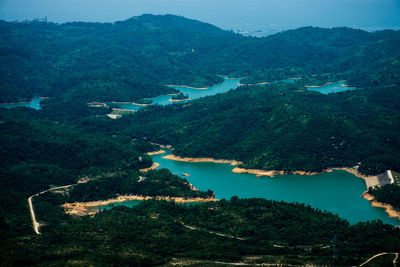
column 338, row 192
column 227, row 85
column 34, row 103
column 192, row 93
column 331, row 88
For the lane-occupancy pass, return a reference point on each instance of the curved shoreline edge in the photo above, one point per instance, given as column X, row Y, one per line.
column 389, row 209
column 154, row 166
column 178, row 100
column 25, row 102
column 177, row 158
column 156, row 152
column 82, row 208
column 368, row 179
column 271, row 173
column 142, row 105
column 190, row 87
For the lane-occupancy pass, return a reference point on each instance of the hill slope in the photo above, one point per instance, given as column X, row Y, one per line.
column 132, row 59
column 278, row 128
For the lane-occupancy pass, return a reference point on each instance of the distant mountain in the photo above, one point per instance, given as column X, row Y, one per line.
column 123, row 61
column 132, row 59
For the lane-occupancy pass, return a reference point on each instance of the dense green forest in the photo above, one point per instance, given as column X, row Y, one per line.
column 36, row 155
column 155, row 183
column 273, row 127
column 389, row 194
column 155, row 232
column 132, row 59
column 278, row 128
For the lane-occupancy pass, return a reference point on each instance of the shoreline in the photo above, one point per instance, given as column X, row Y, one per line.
column 178, row 100
column 154, row 166
column 201, row 88
column 270, row 173
column 142, row 105
column 121, row 102
column 82, row 208
column 156, row 152
column 190, row 87
column 389, row 209
column 370, row 180
column 177, row 158
column 317, row 86
column 25, row 102
column 234, row 78
column 251, row 84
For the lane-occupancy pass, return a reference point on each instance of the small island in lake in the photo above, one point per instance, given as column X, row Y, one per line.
column 179, row 97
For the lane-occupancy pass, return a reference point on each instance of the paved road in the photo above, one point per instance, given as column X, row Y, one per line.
column 35, row 224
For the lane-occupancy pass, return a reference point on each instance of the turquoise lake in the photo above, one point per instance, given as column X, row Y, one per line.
column 192, row 93
column 331, row 88
column 34, row 103
column 227, row 85
column 338, row 192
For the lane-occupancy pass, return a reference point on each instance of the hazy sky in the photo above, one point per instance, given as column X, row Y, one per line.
column 228, row 14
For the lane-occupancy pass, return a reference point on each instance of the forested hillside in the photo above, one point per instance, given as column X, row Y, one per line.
column 277, row 127
column 36, row 155
column 239, row 230
column 133, row 59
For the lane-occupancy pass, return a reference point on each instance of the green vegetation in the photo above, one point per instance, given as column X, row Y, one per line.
column 277, row 128
column 180, row 96
column 389, row 194
column 152, row 183
column 280, row 127
column 154, row 232
column 133, row 59
column 396, row 177
column 36, row 155
column 144, row 101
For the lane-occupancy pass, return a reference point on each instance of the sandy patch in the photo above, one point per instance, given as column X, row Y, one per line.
column 271, row 173
column 152, row 167
column 82, row 208
column 178, row 100
column 177, row 158
column 390, row 210
column 156, row 152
